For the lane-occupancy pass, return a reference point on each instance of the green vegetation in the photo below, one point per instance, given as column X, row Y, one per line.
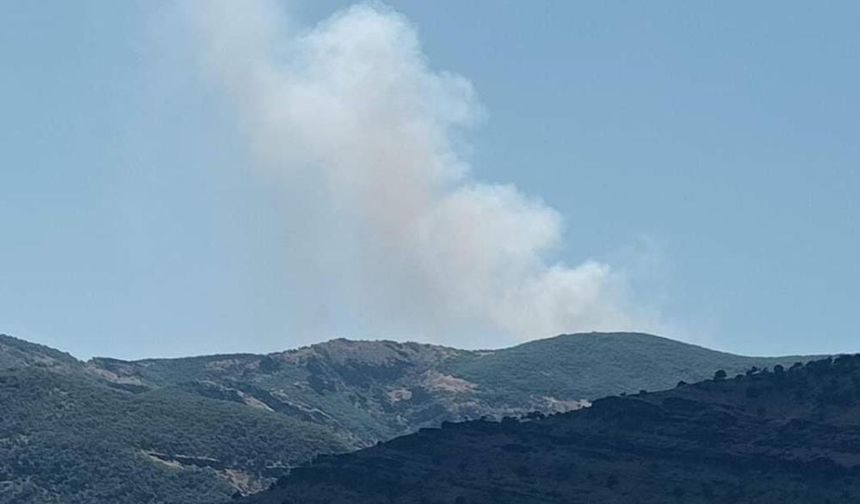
column 590, row 366
column 70, row 440
column 16, row 353
column 793, row 441
column 199, row 429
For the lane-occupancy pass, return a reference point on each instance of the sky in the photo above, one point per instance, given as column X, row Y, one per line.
column 199, row 177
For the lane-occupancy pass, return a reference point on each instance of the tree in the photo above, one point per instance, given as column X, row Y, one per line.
column 720, row 375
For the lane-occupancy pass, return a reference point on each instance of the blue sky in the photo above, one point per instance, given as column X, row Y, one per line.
column 707, row 150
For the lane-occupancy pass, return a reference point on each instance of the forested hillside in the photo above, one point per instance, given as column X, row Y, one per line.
column 780, row 436
column 201, row 429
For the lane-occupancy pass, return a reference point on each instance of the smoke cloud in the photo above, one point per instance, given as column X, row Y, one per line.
column 392, row 236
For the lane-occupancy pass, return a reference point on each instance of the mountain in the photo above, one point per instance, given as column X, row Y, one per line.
column 594, row 365
column 199, row 429
column 782, row 436
column 67, row 436
column 372, row 390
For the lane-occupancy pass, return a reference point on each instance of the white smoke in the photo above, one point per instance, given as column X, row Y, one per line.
column 391, row 233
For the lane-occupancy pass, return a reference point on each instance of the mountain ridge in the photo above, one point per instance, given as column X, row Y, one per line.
column 787, row 435
column 329, row 397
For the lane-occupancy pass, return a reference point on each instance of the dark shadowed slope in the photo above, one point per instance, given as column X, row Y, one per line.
column 782, row 436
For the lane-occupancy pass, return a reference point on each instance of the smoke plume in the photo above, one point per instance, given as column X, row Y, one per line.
column 392, row 236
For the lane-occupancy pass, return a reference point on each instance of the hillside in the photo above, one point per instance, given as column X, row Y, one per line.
column 199, row 429
column 782, row 436
column 17, row 353
column 66, row 437
column 372, row 390
column 594, row 365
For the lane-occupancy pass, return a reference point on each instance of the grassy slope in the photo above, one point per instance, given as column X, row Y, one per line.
column 589, row 366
